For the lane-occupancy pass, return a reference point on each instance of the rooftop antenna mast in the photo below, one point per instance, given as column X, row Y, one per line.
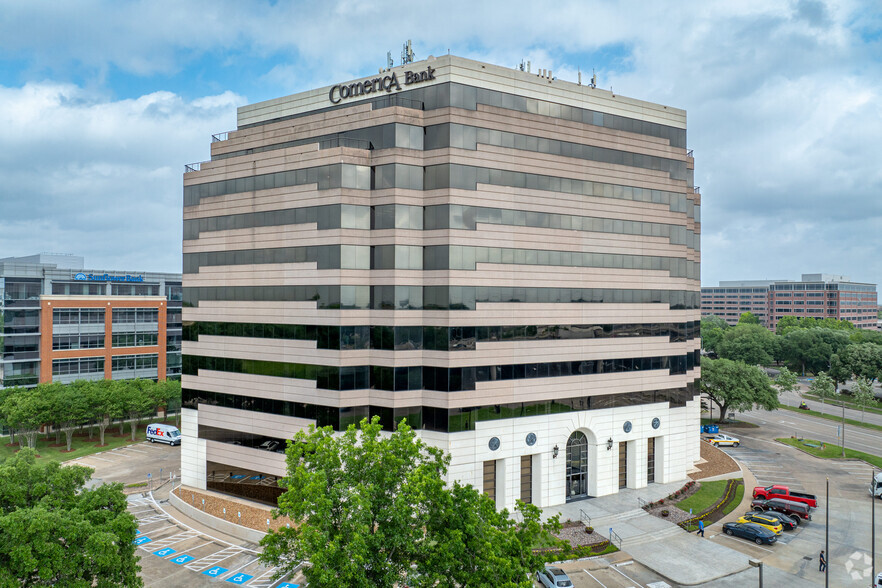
column 389, row 62
column 407, row 54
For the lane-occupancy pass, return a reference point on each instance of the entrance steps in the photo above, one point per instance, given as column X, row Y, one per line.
column 660, row 535
column 610, row 520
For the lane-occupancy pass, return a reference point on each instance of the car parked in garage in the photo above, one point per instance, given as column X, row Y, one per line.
column 751, row 532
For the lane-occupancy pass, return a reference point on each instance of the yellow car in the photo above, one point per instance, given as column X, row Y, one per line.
column 770, row 523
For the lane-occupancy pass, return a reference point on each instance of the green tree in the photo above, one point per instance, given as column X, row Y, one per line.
column 371, row 508
column 476, row 545
column 812, row 349
column 736, row 385
column 712, row 329
column 748, row 318
column 55, row 532
column 70, row 409
column 863, row 395
column 26, row 412
column 752, row 344
column 786, row 381
column 864, row 360
column 102, row 404
column 839, row 371
column 786, row 324
column 823, row 387
column 139, row 398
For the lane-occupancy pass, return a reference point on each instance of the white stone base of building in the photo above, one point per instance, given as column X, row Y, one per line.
column 676, row 442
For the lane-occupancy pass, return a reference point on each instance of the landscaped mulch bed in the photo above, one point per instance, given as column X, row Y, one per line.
column 574, row 532
column 716, row 463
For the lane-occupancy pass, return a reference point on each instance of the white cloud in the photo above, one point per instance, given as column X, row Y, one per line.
column 101, row 179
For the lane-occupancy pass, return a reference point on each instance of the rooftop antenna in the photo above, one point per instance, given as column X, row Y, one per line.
column 407, row 53
column 593, row 78
column 389, row 62
column 580, row 76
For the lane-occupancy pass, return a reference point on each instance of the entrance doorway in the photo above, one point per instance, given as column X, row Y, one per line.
column 577, row 466
column 623, row 464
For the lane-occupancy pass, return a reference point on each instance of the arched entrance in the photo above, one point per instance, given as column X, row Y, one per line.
column 577, row 466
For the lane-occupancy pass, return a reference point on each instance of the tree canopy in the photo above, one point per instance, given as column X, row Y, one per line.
column 753, row 344
column 811, row 350
column 712, row 329
column 55, row 532
column 375, row 511
column 736, row 385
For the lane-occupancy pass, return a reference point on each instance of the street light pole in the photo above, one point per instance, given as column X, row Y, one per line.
column 873, row 526
column 758, row 564
column 827, row 537
column 843, row 427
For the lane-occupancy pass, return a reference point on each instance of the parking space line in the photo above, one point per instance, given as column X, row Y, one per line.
column 265, row 580
column 736, row 539
column 210, row 560
column 243, row 566
column 602, row 585
column 175, row 539
column 616, row 568
column 98, row 458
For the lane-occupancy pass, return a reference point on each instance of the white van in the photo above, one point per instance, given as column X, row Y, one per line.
column 164, row 434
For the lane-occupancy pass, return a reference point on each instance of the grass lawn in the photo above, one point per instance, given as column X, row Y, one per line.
column 831, row 451
column 874, row 408
column 81, row 445
column 732, row 424
column 832, row 417
column 704, row 498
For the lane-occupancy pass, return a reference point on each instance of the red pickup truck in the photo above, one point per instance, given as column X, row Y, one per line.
column 785, row 493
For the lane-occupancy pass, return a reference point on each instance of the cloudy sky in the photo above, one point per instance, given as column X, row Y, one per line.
column 103, row 102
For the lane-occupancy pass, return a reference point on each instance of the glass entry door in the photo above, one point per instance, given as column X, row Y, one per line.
column 577, row 466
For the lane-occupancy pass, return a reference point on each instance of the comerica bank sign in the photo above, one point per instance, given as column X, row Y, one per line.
column 107, row 278
column 375, row 85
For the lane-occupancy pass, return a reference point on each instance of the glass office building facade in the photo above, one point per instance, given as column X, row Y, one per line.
column 61, row 322
column 509, row 263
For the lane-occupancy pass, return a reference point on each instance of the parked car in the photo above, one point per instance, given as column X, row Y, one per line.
column 722, row 440
column 777, row 491
column 787, row 522
column 750, row 531
column 553, row 577
column 770, row 523
column 798, row 511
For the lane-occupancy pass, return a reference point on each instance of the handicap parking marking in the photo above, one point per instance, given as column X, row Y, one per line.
column 164, row 552
column 137, row 531
column 142, row 540
column 239, row 578
column 288, row 585
column 181, row 559
column 215, row 572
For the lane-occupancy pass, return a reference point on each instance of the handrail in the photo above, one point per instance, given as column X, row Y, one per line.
column 220, row 136
column 583, row 516
column 697, row 189
column 615, row 539
column 192, row 167
column 689, row 153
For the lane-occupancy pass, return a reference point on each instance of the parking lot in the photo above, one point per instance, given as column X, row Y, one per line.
column 175, row 554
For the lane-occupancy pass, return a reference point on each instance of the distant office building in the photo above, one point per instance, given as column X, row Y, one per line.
column 507, row 261
column 62, row 322
column 816, row 295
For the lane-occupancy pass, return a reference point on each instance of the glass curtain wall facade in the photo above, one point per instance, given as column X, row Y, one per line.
column 482, row 260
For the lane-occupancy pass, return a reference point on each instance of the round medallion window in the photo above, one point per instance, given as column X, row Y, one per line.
column 531, row 439
column 494, row 443
column 656, row 423
column 627, row 426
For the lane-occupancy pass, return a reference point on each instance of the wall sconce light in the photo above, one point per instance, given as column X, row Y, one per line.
column 609, row 444
column 554, row 451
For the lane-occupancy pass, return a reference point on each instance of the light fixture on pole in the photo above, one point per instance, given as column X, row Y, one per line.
column 758, row 564
column 609, row 444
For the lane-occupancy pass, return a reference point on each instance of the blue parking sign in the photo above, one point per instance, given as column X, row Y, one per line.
column 142, row 540
column 239, row 578
column 182, row 559
column 164, row 552
column 215, row 571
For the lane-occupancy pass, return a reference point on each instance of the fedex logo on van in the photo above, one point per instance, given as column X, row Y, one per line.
column 155, row 431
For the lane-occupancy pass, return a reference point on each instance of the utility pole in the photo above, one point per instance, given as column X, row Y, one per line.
column 873, row 526
column 827, row 538
column 843, row 427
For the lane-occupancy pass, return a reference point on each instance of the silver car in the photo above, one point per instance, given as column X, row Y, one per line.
column 553, row 577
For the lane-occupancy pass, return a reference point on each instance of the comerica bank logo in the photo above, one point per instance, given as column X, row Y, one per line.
column 107, row 278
